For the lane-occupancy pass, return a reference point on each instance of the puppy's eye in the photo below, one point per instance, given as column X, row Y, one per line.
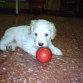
column 46, row 34
column 35, row 34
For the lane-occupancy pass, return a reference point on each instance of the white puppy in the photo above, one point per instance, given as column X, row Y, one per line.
column 30, row 38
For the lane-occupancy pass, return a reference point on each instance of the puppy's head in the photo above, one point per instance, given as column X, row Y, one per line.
column 43, row 32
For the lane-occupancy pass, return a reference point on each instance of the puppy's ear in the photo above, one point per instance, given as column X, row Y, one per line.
column 32, row 25
column 53, row 30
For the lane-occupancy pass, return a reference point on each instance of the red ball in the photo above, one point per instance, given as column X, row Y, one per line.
column 43, row 54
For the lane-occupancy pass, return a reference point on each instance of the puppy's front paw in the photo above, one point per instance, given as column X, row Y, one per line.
column 57, row 51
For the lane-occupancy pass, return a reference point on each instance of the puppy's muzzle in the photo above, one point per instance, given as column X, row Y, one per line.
column 40, row 44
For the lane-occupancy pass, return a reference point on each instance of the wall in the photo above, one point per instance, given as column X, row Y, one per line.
column 23, row 4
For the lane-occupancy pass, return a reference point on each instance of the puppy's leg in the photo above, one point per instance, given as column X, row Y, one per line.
column 4, row 42
column 33, row 52
column 30, row 49
column 55, row 50
column 11, row 46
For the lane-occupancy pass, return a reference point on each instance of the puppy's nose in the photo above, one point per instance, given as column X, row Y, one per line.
column 40, row 44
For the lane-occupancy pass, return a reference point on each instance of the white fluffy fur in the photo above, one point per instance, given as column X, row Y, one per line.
column 30, row 38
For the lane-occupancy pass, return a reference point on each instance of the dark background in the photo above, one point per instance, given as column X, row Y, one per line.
column 53, row 7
